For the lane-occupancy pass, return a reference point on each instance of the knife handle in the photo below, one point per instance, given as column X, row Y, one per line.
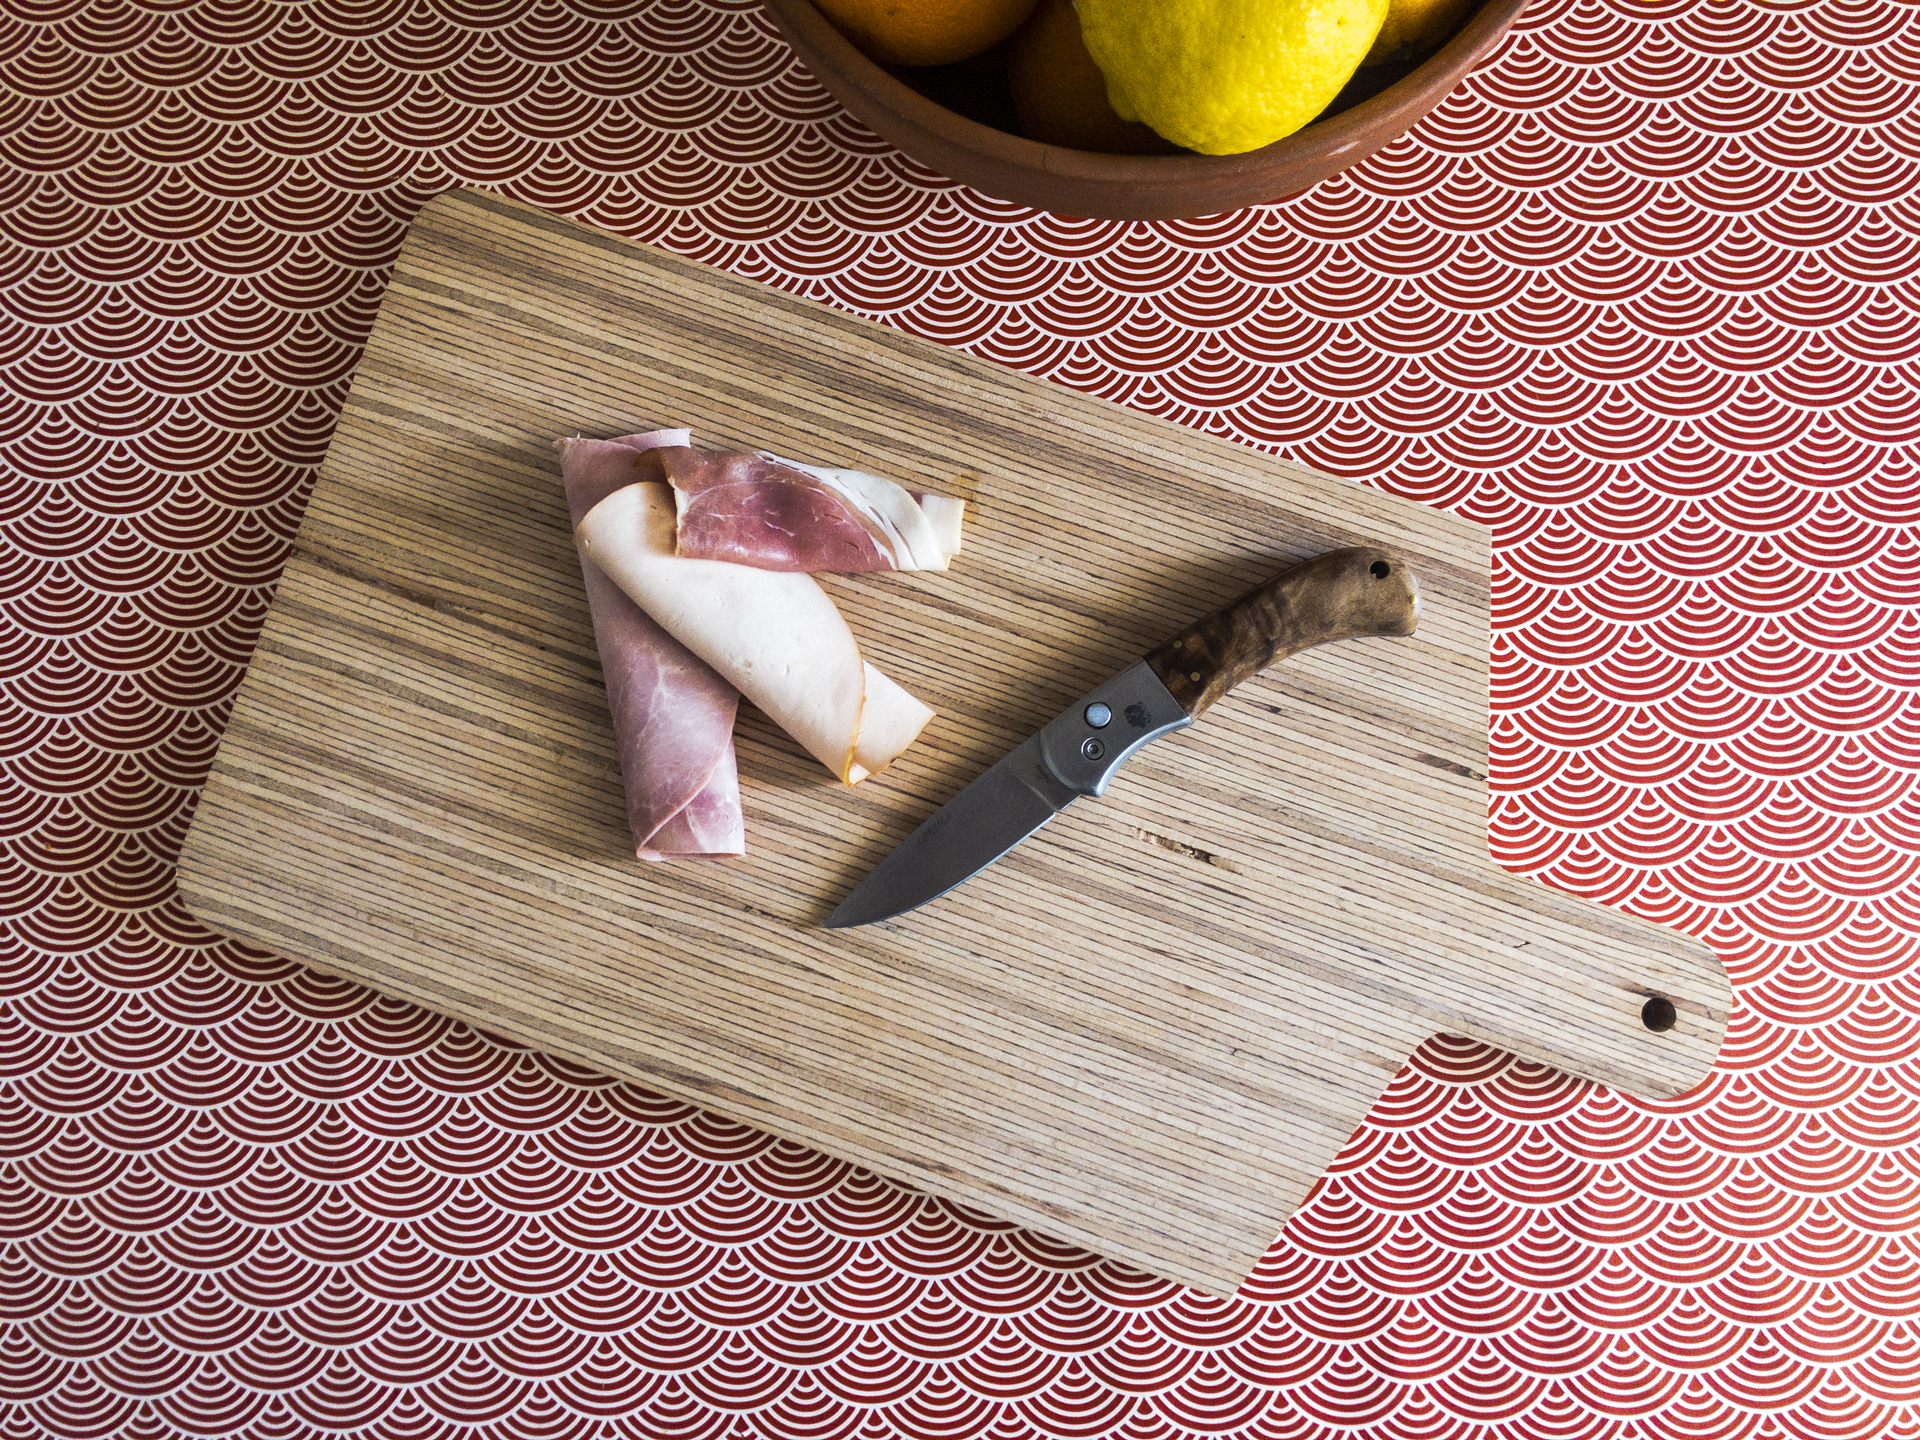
column 1340, row 595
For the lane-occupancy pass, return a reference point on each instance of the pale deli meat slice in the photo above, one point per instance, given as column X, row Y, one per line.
column 944, row 513
column 890, row 720
column 773, row 634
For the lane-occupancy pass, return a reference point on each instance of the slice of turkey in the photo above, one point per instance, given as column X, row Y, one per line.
column 773, row 634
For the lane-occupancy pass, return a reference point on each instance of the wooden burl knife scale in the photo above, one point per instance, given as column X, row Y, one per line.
column 1150, row 1027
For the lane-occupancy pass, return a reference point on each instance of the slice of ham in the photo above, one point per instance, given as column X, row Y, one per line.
column 776, row 514
column 672, row 715
column 773, row 634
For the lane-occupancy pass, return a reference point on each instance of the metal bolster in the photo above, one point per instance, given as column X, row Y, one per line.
column 1082, row 755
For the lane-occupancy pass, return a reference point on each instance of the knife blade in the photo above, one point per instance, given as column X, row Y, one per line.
column 1341, row 595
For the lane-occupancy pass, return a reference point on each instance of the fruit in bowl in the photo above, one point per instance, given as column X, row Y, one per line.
column 1142, row 109
column 1219, row 77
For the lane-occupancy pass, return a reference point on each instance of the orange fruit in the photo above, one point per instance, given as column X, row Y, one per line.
column 1060, row 94
column 925, row 32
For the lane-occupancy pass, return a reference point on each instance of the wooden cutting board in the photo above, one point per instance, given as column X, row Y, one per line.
column 1149, row 1028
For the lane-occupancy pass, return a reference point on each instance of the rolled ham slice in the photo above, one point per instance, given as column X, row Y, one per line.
column 772, row 634
column 774, row 514
column 672, row 715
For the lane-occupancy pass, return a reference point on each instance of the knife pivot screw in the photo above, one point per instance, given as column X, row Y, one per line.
column 1093, row 747
column 1099, row 716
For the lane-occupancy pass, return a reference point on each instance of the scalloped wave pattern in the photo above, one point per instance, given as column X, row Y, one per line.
column 1643, row 295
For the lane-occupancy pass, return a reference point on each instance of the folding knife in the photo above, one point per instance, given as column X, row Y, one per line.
column 1337, row 596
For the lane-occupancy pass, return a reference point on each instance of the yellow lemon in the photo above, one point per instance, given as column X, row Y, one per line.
column 1415, row 26
column 1224, row 76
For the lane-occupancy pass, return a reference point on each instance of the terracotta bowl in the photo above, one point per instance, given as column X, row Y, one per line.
column 1131, row 187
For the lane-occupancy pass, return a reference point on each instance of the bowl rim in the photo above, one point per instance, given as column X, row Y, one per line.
column 1361, row 129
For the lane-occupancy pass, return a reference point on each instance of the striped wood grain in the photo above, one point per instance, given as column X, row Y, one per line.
column 1150, row 1028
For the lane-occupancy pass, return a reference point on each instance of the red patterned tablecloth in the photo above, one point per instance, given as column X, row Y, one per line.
column 1641, row 296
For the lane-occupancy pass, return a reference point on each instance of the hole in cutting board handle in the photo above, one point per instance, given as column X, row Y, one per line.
column 1658, row 1014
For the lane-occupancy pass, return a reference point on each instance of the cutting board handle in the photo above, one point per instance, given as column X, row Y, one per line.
column 1340, row 595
